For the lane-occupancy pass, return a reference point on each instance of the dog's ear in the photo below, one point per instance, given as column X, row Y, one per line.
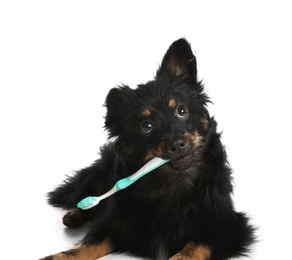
column 179, row 61
column 118, row 103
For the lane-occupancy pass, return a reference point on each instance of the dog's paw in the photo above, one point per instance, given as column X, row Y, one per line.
column 50, row 257
column 66, row 255
column 54, row 257
column 192, row 251
column 74, row 218
column 83, row 252
column 179, row 256
column 46, row 258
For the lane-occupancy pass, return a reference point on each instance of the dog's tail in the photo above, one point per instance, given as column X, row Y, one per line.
column 86, row 182
column 64, row 196
column 90, row 181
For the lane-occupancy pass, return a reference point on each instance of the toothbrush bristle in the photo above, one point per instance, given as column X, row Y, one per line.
column 87, row 202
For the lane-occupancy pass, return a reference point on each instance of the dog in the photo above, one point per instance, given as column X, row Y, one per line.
column 181, row 210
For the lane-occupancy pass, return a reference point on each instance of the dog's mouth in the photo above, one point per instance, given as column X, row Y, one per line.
column 182, row 163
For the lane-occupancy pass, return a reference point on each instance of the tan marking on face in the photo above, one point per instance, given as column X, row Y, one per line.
column 150, row 155
column 146, row 112
column 171, row 103
column 159, row 152
column 195, row 138
column 192, row 251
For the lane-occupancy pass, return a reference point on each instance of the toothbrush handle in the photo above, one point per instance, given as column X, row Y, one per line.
column 148, row 167
column 124, row 183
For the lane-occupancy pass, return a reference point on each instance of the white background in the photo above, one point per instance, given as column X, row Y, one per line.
column 58, row 60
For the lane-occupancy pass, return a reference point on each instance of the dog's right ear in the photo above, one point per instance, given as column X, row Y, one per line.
column 118, row 104
column 179, row 61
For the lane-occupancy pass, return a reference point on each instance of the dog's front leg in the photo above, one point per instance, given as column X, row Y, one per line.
column 84, row 252
column 192, row 251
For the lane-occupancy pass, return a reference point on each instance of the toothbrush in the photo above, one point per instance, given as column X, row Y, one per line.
column 92, row 201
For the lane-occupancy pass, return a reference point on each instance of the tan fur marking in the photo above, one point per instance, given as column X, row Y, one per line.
column 95, row 251
column 195, row 138
column 171, row 103
column 159, row 152
column 84, row 252
column 191, row 251
column 146, row 112
column 202, row 253
column 149, row 156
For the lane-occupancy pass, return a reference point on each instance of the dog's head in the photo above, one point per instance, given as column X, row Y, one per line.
column 166, row 117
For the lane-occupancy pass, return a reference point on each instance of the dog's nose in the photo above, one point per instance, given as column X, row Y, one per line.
column 177, row 146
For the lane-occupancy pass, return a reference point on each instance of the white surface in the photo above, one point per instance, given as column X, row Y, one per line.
column 58, row 60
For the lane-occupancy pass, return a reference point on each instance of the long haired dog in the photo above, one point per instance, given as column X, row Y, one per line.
column 181, row 210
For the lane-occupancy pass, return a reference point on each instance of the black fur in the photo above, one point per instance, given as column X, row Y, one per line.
column 189, row 198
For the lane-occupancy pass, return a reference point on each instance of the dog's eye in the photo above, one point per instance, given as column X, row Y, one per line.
column 182, row 112
column 146, row 127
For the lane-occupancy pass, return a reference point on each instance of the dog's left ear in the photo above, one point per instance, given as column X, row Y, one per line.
column 118, row 103
column 179, row 61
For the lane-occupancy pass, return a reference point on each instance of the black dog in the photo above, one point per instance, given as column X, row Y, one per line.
column 182, row 210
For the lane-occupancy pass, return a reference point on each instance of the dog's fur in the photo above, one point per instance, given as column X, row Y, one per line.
column 182, row 210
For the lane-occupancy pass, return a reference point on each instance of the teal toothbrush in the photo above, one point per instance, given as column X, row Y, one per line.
column 154, row 163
